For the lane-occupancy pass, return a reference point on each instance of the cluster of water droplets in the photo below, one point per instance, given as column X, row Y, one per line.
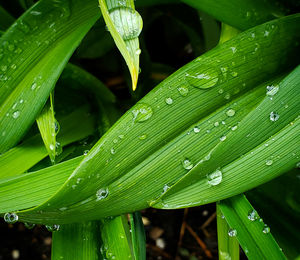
column 52, row 228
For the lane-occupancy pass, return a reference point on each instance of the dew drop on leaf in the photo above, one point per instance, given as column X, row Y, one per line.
column 169, row 101
column 52, row 228
column 253, row 215
column 186, row 163
column 16, row 114
column 183, row 90
column 102, row 193
column 141, row 112
column 223, row 138
column 196, row 129
column 214, row 178
column 10, row 218
column 269, row 162
column 204, row 79
column 127, row 21
column 230, row 112
column 274, row 116
column 232, row 232
column 143, row 137
column 266, row 229
column 272, row 90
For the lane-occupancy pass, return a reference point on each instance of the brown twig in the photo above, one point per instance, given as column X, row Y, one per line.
column 199, row 241
column 208, row 221
column 159, row 251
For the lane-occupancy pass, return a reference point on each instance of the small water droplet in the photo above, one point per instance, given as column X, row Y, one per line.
column 196, row 129
column 33, row 86
column 186, row 163
column 121, row 136
column 52, row 147
column 169, row 101
column 102, row 194
column 214, row 178
column 223, row 138
column 232, row 232
column 269, row 162
column 253, row 215
column 272, row 90
column 85, row 152
column 274, row 116
column 52, row 228
column 165, row 188
column 127, row 21
column 16, row 114
column 141, row 112
column 203, row 80
column 227, row 96
column 216, row 123
column 138, row 52
column 230, row 112
column 234, row 128
column 112, row 150
column 183, row 90
column 233, row 73
column 233, row 49
column 143, row 137
column 266, row 229
column 29, row 225
column 10, row 218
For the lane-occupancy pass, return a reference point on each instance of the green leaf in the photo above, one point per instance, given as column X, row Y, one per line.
column 76, row 241
column 241, row 14
column 253, row 235
column 179, row 123
column 116, row 238
column 228, row 246
column 50, row 31
column 138, row 236
column 125, row 24
column 49, row 128
column 22, row 157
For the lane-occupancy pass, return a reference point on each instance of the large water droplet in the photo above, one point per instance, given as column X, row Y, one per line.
column 232, row 232
column 214, row 178
column 183, row 90
column 142, row 112
column 127, row 21
column 10, row 218
column 102, row 193
column 269, row 162
column 196, row 129
column 207, row 78
column 52, row 228
column 186, row 163
column 274, row 116
column 253, row 215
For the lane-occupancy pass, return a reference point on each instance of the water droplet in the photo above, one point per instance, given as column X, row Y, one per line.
column 112, row 150
column 183, row 90
column 85, row 152
column 214, row 178
column 102, row 194
column 253, row 215
column 16, row 114
column 227, row 96
column 272, row 90
column 223, row 138
column 216, row 123
column 274, row 116
column 233, row 73
column 266, row 229
column 143, row 137
column 186, row 163
column 141, row 112
column 29, row 225
column 234, row 128
column 196, row 129
column 169, row 101
column 269, row 162
column 36, row 13
column 33, row 86
column 10, row 218
column 230, row 112
column 52, row 228
column 138, row 52
column 58, row 148
column 165, row 188
column 121, row 136
column 203, row 80
column 127, row 21
column 232, row 232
